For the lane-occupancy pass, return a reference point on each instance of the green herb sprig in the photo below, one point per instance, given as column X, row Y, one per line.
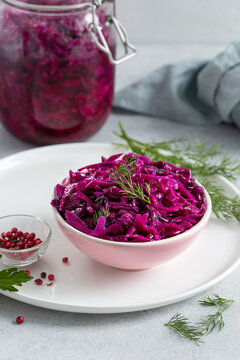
column 9, row 278
column 204, row 162
column 123, row 176
column 184, row 328
column 214, row 321
column 103, row 211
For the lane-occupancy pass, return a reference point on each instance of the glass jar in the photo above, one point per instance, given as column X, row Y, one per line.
column 57, row 62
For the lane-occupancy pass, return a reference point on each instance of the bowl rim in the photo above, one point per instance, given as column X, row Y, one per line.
column 172, row 239
column 47, row 237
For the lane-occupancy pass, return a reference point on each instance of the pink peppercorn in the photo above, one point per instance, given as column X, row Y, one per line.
column 65, row 260
column 20, row 319
column 37, row 241
column 38, row 281
column 15, row 240
column 51, row 277
column 30, row 237
column 27, row 272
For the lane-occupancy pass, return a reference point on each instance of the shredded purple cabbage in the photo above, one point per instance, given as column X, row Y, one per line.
column 56, row 85
column 177, row 202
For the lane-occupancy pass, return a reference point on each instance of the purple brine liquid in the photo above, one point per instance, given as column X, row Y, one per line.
column 56, row 85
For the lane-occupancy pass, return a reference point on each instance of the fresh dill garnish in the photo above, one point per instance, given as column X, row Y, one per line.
column 223, row 206
column 183, row 326
column 103, row 211
column 204, row 162
column 214, row 321
column 100, row 200
column 123, row 175
column 215, row 300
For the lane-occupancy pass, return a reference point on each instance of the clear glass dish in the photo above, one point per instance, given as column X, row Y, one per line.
column 25, row 223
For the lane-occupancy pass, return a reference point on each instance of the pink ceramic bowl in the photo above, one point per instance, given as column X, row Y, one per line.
column 133, row 256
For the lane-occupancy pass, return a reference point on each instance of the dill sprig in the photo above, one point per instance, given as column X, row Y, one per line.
column 204, row 162
column 215, row 321
column 103, row 211
column 100, row 199
column 183, row 327
column 215, row 300
column 223, row 206
column 123, row 176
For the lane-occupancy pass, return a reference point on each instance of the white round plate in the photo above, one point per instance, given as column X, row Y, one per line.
column 27, row 180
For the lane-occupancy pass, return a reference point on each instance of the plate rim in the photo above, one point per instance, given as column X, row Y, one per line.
column 121, row 309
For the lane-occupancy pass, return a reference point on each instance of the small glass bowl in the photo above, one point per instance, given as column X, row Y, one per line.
column 25, row 223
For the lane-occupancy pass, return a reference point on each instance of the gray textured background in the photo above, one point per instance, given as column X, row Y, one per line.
column 205, row 21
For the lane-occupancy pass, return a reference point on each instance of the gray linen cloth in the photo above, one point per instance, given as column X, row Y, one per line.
column 194, row 92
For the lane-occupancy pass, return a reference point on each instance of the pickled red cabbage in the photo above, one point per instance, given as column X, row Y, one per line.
column 92, row 200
